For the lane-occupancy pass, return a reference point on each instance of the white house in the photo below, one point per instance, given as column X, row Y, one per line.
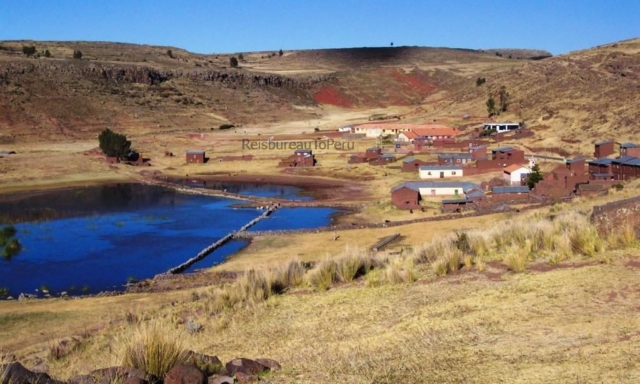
column 501, row 127
column 439, row 171
column 346, row 128
column 515, row 174
column 440, row 189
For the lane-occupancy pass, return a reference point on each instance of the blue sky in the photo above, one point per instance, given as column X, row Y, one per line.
column 231, row 26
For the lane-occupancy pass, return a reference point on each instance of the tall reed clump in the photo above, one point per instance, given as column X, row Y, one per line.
column 623, row 238
column 153, row 347
column 292, row 275
column 323, row 275
column 400, row 270
column 4, row 366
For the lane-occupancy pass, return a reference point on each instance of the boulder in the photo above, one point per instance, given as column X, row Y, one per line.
column 117, row 374
column 16, row 373
column 184, row 374
column 209, row 365
column 269, row 363
column 246, row 366
column 82, row 379
column 244, row 378
column 134, row 380
column 221, row 380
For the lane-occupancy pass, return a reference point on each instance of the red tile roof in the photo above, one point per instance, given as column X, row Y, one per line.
column 513, row 167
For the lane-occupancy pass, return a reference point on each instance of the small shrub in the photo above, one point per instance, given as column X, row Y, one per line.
column 28, row 50
column 618, row 187
column 226, row 126
column 461, row 242
column 77, row 55
column 153, row 348
column 233, row 62
column 192, row 327
column 4, row 292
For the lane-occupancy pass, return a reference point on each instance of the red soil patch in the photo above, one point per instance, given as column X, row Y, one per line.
column 634, row 263
column 413, row 80
column 332, row 96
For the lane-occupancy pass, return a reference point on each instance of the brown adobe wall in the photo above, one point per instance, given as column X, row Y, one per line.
column 617, row 215
column 503, row 197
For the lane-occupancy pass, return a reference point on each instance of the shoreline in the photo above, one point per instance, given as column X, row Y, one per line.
column 144, row 284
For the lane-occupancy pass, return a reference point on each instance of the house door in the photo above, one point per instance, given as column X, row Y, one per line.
column 433, row 192
column 441, row 175
column 455, row 192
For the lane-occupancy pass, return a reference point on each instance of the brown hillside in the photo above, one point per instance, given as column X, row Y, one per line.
column 590, row 94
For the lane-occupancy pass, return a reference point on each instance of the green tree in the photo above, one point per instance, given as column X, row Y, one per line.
column 282, row 53
column 241, row 57
column 534, row 177
column 77, row 55
column 47, row 53
column 114, row 144
column 233, row 62
column 491, row 106
column 504, row 99
column 29, row 50
column 169, row 53
column 480, row 81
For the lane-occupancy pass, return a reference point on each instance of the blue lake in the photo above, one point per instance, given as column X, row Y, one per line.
column 94, row 239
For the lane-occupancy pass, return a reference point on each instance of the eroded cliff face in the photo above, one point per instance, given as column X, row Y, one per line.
column 152, row 76
column 51, row 100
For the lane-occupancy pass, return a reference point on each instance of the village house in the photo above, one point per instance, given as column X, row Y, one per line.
column 576, row 166
column 515, row 174
column 426, row 131
column 510, row 193
column 501, row 127
column 625, row 168
column 454, row 158
column 381, row 129
column 600, row 169
column 370, row 154
column 509, row 154
column 300, row 158
column 408, row 195
column 411, row 164
column 629, row 149
column 194, row 156
column 478, row 152
column 603, row 149
column 384, row 158
column 440, row 171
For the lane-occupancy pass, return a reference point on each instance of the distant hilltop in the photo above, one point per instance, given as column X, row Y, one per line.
column 516, row 53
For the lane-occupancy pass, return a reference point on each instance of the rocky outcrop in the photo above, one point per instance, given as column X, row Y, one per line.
column 152, row 76
column 16, row 373
column 197, row 369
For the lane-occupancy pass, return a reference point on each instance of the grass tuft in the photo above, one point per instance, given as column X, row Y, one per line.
column 400, row 270
column 323, row 275
column 153, row 347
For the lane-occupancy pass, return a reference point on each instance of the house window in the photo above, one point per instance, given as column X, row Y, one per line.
column 428, row 173
column 453, row 172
